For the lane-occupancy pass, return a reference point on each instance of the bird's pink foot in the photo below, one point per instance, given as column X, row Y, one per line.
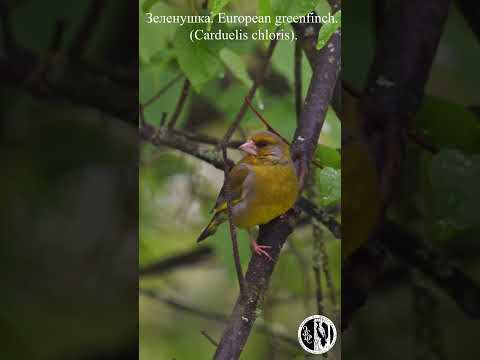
column 262, row 250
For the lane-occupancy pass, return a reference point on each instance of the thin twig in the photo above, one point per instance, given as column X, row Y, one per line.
column 8, row 39
column 258, row 80
column 206, row 139
column 233, row 229
column 328, row 273
column 163, row 119
column 209, row 338
column 87, row 28
column 265, row 122
column 187, row 258
column 471, row 12
column 162, row 91
column 320, row 255
column 316, row 249
column 57, row 38
column 325, row 263
column 162, row 136
column 349, row 88
column 141, row 113
column 298, row 79
column 302, row 264
column 426, row 320
column 39, row 74
column 181, row 102
column 418, row 139
column 323, row 216
column 317, row 268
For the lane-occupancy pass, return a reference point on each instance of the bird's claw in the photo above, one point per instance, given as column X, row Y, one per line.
column 260, row 250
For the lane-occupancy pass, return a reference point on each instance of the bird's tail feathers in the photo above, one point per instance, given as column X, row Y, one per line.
column 212, row 226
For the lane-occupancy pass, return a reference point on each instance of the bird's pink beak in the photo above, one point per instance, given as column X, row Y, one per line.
column 249, row 147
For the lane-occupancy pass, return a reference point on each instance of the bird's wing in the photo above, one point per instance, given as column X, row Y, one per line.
column 237, row 176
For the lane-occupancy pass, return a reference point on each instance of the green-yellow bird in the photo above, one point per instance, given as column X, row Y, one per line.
column 263, row 184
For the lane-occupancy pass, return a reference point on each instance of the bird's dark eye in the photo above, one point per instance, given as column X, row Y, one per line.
column 261, row 144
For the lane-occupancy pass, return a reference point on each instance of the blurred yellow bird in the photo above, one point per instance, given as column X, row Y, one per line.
column 263, row 185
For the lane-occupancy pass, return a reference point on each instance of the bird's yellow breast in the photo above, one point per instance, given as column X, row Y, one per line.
column 269, row 193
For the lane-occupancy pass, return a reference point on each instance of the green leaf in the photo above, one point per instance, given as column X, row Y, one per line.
column 235, row 64
column 323, row 8
column 448, row 125
column 455, row 191
column 154, row 38
column 237, row 67
column 283, row 62
column 293, row 8
column 153, row 77
column 328, row 29
column 264, row 8
column 329, row 181
column 199, row 59
column 327, row 156
column 148, row 4
column 216, row 7
column 332, row 130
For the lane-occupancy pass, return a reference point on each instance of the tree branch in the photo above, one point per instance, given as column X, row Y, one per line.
column 187, row 258
column 180, row 103
column 326, row 218
column 471, row 11
column 258, row 80
column 394, row 92
column 231, row 225
column 162, row 136
column 209, row 338
column 298, row 78
column 163, row 90
column 87, row 28
column 206, row 139
column 276, row 232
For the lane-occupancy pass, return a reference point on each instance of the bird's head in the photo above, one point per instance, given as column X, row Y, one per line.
column 266, row 146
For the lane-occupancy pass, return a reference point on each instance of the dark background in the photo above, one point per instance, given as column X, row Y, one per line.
column 412, row 291
column 69, row 180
